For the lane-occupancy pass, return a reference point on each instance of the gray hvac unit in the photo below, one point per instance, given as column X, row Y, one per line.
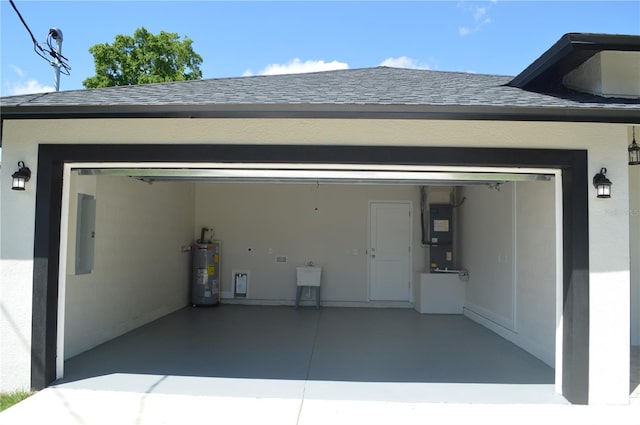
column 441, row 237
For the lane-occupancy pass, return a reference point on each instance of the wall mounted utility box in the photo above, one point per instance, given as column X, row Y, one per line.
column 440, row 236
column 85, row 233
column 240, row 280
column 205, row 285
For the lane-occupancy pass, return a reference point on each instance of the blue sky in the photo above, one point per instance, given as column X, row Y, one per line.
column 251, row 38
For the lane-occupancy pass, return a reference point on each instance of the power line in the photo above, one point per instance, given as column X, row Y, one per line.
column 23, row 22
column 35, row 42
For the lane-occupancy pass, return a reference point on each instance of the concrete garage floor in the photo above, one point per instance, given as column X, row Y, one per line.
column 390, row 355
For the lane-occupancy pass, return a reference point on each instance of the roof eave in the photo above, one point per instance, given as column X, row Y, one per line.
column 326, row 111
column 571, row 51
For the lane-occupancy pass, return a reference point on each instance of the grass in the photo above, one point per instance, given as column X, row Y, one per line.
column 9, row 399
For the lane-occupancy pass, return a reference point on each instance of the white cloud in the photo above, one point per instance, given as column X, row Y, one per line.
column 296, row 66
column 404, row 62
column 480, row 16
column 462, row 31
column 23, row 86
column 479, row 13
column 17, row 70
column 28, row 87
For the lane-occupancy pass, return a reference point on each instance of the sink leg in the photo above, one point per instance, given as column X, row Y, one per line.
column 298, row 293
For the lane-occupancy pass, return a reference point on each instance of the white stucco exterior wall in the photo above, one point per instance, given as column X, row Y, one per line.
column 17, row 218
column 609, row 233
column 634, row 238
column 609, row 279
column 635, row 261
column 608, row 74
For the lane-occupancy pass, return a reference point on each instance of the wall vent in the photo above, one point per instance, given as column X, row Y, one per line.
column 281, row 259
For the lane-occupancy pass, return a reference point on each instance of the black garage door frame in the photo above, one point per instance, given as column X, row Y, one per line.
column 573, row 164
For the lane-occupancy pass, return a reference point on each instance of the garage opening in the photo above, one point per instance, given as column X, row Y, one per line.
column 487, row 314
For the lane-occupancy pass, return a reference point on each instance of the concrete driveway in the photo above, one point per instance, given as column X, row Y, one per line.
column 73, row 406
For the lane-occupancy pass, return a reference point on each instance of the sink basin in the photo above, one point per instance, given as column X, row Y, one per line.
column 309, row 276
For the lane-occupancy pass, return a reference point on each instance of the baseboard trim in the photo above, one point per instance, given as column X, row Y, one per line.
column 312, row 303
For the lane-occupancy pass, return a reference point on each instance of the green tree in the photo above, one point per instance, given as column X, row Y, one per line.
column 144, row 58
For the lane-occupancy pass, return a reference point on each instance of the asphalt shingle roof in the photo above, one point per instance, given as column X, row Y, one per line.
column 366, row 86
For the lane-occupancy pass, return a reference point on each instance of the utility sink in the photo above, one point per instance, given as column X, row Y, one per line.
column 309, row 275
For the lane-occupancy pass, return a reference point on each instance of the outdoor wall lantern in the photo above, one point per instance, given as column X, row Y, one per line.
column 634, row 151
column 20, row 177
column 602, row 184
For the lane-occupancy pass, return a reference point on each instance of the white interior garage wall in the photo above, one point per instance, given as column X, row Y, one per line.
column 325, row 224
column 487, row 251
column 507, row 243
column 139, row 271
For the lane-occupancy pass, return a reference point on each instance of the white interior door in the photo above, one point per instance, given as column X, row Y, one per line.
column 390, row 251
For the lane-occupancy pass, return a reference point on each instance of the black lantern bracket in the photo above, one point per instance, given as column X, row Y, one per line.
column 20, row 177
column 634, row 151
column 602, row 184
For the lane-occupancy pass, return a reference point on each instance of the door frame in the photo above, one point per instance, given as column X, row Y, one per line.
column 410, row 297
column 575, row 214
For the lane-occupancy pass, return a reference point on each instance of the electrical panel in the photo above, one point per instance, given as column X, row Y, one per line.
column 440, row 237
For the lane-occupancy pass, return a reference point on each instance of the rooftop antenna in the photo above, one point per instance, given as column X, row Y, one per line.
column 60, row 63
column 56, row 34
